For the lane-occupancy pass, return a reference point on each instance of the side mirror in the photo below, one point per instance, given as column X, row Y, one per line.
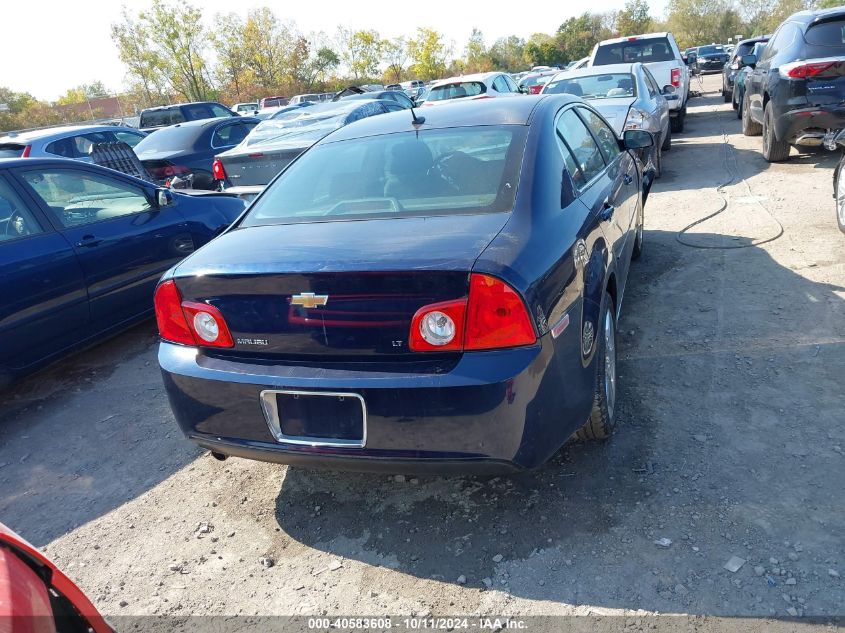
column 749, row 60
column 637, row 139
column 164, row 198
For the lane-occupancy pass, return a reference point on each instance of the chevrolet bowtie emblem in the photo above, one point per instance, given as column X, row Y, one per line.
column 309, row 300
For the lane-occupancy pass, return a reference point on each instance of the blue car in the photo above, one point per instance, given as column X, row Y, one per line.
column 416, row 295
column 81, row 250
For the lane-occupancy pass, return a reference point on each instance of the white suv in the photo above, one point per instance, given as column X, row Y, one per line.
column 660, row 53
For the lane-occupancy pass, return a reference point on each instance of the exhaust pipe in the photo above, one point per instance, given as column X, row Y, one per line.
column 810, row 140
column 220, row 457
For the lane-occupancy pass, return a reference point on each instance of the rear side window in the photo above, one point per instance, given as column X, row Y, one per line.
column 16, row 220
column 160, row 118
column 130, row 138
column 645, row 51
column 587, row 161
column 605, row 136
column 456, row 90
column 196, row 112
column 827, row 34
column 220, row 110
column 230, row 134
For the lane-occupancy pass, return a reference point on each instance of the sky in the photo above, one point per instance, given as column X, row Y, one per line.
column 58, row 44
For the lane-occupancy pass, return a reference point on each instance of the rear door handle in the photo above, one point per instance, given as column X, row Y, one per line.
column 88, row 241
column 628, row 179
column 607, row 210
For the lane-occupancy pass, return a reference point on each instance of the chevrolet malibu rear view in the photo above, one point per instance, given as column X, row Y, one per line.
column 415, row 294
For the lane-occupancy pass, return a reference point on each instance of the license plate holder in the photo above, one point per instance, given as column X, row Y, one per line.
column 316, row 418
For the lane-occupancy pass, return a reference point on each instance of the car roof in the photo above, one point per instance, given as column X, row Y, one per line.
column 8, row 163
column 462, row 78
column 33, row 135
column 818, row 15
column 589, row 71
column 504, row 111
column 754, row 40
column 644, row 36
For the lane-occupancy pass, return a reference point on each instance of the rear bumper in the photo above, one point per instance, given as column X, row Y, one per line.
column 498, row 411
column 792, row 124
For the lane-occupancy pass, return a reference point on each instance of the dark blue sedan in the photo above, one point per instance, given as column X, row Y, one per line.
column 416, row 295
column 81, row 250
column 187, row 150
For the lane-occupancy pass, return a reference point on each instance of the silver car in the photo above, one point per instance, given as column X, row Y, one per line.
column 628, row 96
column 72, row 141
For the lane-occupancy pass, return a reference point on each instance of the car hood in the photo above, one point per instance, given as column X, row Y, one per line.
column 450, row 242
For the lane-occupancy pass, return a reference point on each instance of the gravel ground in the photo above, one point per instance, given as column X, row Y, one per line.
column 729, row 450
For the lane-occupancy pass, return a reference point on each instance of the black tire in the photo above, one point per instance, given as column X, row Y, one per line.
column 738, row 107
column 774, row 151
column 727, row 96
column 839, row 194
column 667, row 140
column 658, row 162
column 602, row 422
column 734, row 101
column 677, row 122
column 637, row 252
column 749, row 126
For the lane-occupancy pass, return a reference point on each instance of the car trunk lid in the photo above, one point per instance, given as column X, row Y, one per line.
column 345, row 290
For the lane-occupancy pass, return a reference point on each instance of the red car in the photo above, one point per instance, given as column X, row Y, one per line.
column 533, row 83
column 36, row 597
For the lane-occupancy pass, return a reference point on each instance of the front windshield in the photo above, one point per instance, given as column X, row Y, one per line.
column 606, row 86
column 429, row 172
column 710, row 50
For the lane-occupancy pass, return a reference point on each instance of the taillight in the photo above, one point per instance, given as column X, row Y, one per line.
column 26, row 151
column 676, row 77
column 217, row 170
column 492, row 317
column 535, row 89
column 189, row 322
column 804, row 70
column 496, row 316
column 162, row 172
column 438, row 327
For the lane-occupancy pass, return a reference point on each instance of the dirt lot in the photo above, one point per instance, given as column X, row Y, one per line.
column 730, row 444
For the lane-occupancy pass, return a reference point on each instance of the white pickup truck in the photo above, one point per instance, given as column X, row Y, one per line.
column 660, row 53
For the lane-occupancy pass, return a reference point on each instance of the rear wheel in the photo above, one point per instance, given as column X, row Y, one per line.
column 727, row 96
column 749, row 126
column 677, row 122
column 774, row 151
column 737, row 103
column 602, row 422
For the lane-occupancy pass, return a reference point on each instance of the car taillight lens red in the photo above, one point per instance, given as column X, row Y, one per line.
column 189, row 322
column 676, row 77
column 492, row 317
column 535, row 89
column 26, row 151
column 811, row 69
column 161, row 172
column 217, row 170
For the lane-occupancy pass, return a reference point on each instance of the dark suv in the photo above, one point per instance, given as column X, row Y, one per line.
column 795, row 94
column 162, row 116
column 732, row 68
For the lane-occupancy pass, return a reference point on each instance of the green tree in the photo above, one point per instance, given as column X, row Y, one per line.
column 507, row 53
column 395, row 54
column 144, row 68
column 227, row 40
column 541, row 50
column 476, row 54
column 428, row 53
column 266, row 47
column 360, row 51
column 577, row 36
column 634, row 19
column 324, row 62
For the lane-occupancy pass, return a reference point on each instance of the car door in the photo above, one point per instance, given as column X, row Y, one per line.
column 122, row 240
column 658, row 106
column 45, row 306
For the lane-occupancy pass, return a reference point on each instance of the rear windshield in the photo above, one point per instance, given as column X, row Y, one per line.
column 711, row 50
column 609, row 86
column 651, row 50
column 11, row 150
column 456, row 90
column 424, row 173
column 743, row 49
column 827, row 34
column 160, row 118
column 169, row 139
column 531, row 81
